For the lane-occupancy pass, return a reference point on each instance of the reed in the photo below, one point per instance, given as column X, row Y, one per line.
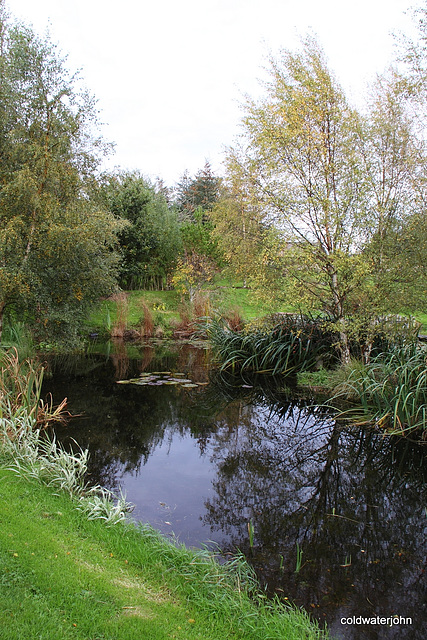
column 20, row 391
column 299, row 559
column 201, row 305
column 251, row 532
column 147, row 324
column 392, row 389
column 17, row 335
column 234, row 319
column 121, row 300
column 288, row 345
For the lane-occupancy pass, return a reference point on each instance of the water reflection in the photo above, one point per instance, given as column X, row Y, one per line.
column 204, row 462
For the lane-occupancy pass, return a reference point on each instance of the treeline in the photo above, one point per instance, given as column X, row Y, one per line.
column 165, row 229
column 321, row 206
column 69, row 233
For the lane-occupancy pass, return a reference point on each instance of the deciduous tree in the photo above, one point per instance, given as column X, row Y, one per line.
column 393, row 168
column 299, row 145
column 343, row 189
column 56, row 249
column 239, row 222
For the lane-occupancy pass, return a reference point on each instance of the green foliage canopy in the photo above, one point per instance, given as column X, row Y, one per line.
column 151, row 241
column 342, row 190
column 56, row 248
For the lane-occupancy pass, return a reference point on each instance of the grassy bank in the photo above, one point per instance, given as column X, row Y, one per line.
column 168, row 310
column 63, row 576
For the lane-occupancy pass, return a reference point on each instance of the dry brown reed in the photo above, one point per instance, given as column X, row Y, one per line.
column 147, row 322
column 122, row 308
column 201, row 305
column 120, row 360
column 234, row 319
column 185, row 318
column 20, row 392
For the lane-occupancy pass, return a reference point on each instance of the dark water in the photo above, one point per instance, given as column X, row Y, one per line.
column 204, row 462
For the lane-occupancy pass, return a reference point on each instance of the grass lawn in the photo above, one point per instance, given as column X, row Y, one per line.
column 422, row 317
column 63, row 576
column 165, row 306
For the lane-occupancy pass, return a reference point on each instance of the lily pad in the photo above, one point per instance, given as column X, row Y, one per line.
column 189, row 385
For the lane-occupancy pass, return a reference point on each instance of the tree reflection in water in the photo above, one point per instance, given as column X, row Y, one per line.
column 351, row 499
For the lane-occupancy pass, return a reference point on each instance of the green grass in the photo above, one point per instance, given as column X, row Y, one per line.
column 228, row 295
column 63, row 576
column 164, row 304
column 319, row 378
column 422, row 317
column 391, row 389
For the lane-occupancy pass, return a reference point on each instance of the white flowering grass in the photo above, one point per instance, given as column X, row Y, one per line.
column 34, row 456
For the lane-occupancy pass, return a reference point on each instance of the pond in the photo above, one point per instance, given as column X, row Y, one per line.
column 331, row 517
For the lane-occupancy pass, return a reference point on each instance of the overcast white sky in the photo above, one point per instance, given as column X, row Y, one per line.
column 169, row 75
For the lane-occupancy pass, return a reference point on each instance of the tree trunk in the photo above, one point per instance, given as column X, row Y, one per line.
column 2, row 308
column 338, row 312
column 344, row 346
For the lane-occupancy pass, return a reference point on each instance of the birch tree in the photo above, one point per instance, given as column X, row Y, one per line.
column 300, row 146
column 56, row 248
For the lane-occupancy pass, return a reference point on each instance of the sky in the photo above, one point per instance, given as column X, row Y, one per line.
column 170, row 76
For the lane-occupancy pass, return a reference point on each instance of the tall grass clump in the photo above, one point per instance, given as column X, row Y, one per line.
column 285, row 343
column 147, row 321
column 121, row 300
column 28, row 451
column 17, row 335
column 201, row 305
column 234, row 319
column 20, row 391
column 392, row 389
